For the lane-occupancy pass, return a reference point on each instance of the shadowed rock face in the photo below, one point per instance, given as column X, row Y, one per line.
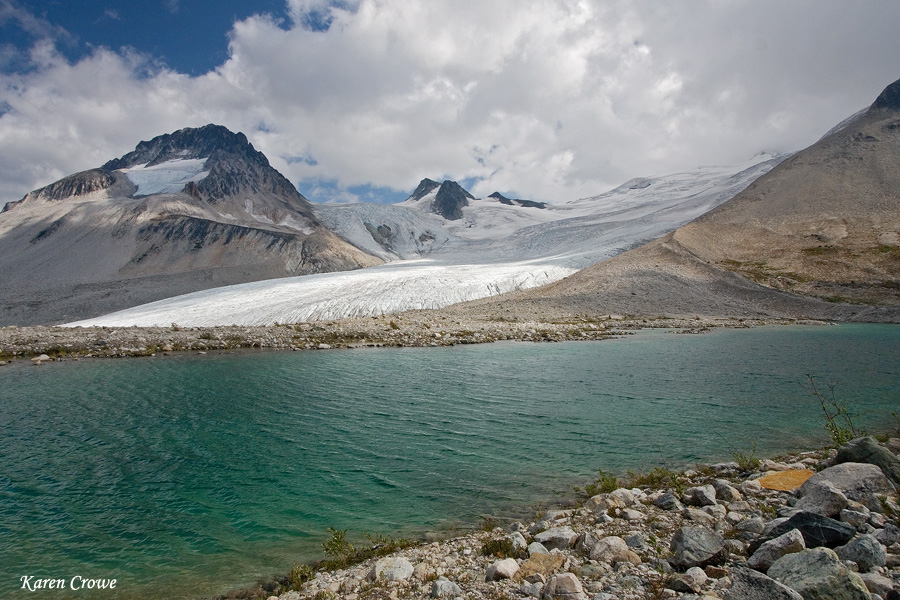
column 515, row 201
column 450, row 200
column 889, row 98
column 425, row 187
column 87, row 244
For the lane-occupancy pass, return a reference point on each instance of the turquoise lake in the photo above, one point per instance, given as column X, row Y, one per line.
column 185, row 476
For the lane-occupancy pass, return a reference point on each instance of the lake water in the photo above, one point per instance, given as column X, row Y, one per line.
column 189, row 475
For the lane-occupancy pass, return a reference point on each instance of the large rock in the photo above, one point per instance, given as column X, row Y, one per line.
column 857, row 481
column 877, row 583
column 817, row 531
column 822, row 498
column 392, row 568
column 502, row 569
column 868, row 450
column 769, row 552
column 818, row 574
column 726, row 492
column 613, row 549
column 697, row 547
column 865, row 551
column 557, row 537
column 752, row 585
column 564, row 586
column 701, row 495
column 668, row 501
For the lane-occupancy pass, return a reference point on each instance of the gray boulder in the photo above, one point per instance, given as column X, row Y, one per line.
column 822, row 498
column 865, row 551
column 701, row 495
column 888, row 536
column 518, row 542
column 668, row 501
column 868, row 450
column 725, row 492
column 697, row 547
column 769, row 552
column 752, row 585
column 444, row 588
column 877, row 583
column 857, row 481
column 613, row 549
column 557, row 537
column 816, row 529
column 691, row 582
column 537, row 548
column 392, row 568
column 818, row 574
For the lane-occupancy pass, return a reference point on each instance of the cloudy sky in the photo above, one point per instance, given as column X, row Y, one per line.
column 360, row 99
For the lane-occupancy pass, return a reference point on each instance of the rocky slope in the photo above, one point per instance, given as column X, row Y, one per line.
column 823, row 226
column 186, row 211
column 812, row 526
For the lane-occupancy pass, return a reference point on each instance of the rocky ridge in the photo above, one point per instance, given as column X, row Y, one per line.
column 715, row 532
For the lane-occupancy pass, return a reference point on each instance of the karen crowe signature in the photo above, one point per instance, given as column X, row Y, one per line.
column 32, row 583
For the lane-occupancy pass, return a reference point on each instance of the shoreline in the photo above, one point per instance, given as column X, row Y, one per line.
column 644, row 511
column 411, row 329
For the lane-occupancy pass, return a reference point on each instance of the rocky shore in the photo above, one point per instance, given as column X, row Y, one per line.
column 815, row 525
column 413, row 329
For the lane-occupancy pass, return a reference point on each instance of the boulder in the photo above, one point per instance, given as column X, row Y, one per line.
column 785, row 481
column 751, row 585
column 537, row 548
column 691, row 582
column 557, row 537
column 770, row 551
column 865, row 551
column 668, row 501
column 444, row 588
column 502, row 569
column 564, row 586
column 818, row 574
column 697, row 547
column 517, row 541
column 877, row 583
column 541, row 564
column 857, row 481
column 822, row 498
column 817, row 531
column 613, row 549
column 392, row 568
column 888, row 536
column 868, row 450
column 854, row 517
column 726, row 492
column 701, row 495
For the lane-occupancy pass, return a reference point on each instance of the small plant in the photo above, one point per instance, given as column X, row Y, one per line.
column 502, row 548
column 299, row 575
column 337, row 545
column 489, row 523
column 605, row 483
column 658, row 477
column 838, row 418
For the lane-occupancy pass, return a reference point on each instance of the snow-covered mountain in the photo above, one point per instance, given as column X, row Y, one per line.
column 190, row 210
column 450, row 247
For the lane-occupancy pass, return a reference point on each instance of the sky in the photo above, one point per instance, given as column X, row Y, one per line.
column 358, row 100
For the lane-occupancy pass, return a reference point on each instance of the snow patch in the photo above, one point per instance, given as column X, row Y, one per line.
column 168, row 177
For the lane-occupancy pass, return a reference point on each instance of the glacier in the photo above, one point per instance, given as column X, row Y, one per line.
column 493, row 249
column 168, row 177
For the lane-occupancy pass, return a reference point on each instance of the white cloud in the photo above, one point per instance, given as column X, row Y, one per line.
column 547, row 99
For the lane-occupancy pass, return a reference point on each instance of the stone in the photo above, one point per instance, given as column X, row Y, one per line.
column 668, row 501
column 726, row 492
column 699, row 517
column 613, row 549
column 532, row 590
column 537, row 548
column 392, row 568
column 564, row 586
column 868, row 450
column 518, row 542
column 623, row 498
column 865, row 551
column 893, row 444
column 752, row 585
column 557, row 537
column 502, row 569
column 785, row 481
column 629, row 514
column 888, row 536
column 691, row 582
column 423, row 571
column 877, row 583
column 701, row 495
column 444, row 588
column 857, row 481
column 697, row 547
column 752, row 487
column 854, row 518
column 818, row 573
column 822, row 498
column 770, row 551
column 754, row 525
column 816, row 529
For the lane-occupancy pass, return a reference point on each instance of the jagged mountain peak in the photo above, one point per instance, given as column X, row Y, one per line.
column 889, row 98
column 450, row 200
column 516, row 201
column 425, row 187
column 189, row 143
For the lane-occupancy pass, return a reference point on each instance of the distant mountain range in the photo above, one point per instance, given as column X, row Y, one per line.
column 190, row 210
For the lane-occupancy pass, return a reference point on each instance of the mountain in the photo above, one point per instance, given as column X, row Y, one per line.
column 492, row 249
column 185, row 211
column 819, row 235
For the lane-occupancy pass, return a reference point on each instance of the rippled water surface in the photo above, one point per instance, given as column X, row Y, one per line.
column 190, row 475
